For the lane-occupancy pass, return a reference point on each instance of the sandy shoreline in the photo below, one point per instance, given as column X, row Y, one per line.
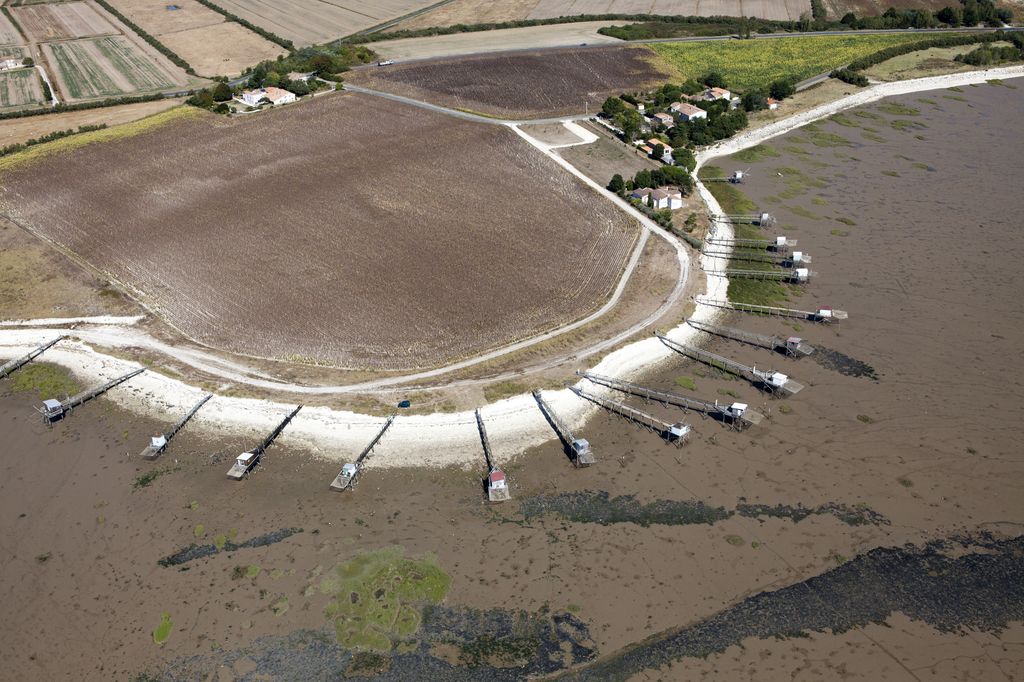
column 440, row 439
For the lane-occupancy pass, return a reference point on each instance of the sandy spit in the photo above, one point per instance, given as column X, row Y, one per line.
column 441, row 439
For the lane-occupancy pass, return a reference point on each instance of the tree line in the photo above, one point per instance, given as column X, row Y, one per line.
column 60, row 108
column 49, row 137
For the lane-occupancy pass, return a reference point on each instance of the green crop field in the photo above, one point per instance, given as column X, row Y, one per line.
column 103, row 67
column 755, row 63
column 20, row 88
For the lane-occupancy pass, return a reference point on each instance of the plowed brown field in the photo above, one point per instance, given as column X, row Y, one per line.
column 347, row 230
column 521, row 84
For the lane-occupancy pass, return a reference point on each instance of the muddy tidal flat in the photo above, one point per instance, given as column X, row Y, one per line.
column 870, row 528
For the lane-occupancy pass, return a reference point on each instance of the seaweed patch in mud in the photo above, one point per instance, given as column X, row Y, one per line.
column 981, row 590
column 193, row 551
column 453, row 645
column 600, row 507
column 839, row 362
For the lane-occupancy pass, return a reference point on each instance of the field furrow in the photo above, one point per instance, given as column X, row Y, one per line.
column 285, row 235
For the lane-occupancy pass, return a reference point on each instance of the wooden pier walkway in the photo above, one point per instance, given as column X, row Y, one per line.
column 497, row 483
column 792, row 346
column 736, row 414
column 17, row 363
column 677, row 432
column 350, row 470
column 247, row 461
column 822, row 315
column 778, row 245
column 159, row 443
column 53, row 410
column 784, row 260
column 770, row 380
column 794, row 276
column 759, row 219
column 578, row 448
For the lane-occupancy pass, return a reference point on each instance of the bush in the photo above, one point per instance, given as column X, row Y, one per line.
column 851, row 77
column 781, row 89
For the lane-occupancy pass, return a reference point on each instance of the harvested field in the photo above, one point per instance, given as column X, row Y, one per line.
column 22, row 129
column 784, row 10
column 9, row 35
column 305, row 22
column 226, row 48
column 315, row 248
column 470, row 12
column 526, row 38
column 20, row 88
column 103, row 67
column 154, row 17
column 521, row 84
column 200, row 36
column 63, row 21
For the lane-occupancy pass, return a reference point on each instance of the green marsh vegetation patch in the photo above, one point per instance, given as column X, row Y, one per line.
column 378, row 597
column 44, row 379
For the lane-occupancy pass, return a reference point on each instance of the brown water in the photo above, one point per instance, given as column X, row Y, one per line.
column 928, row 275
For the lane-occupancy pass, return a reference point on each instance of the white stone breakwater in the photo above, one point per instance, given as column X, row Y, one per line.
column 439, row 439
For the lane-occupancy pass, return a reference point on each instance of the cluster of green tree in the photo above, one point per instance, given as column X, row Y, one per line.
column 721, row 123
column 214, row 100
column 652, row 30
column 60, row 108
column 47, row 93
column 818, row 11
column 653, row 178
column 851, row 74
column 990, row 54
column 160, row 47
column 523, row 23
column 272, row 37
column 49, row 137
column 757, row 100
column 324, row 61
column 967, row 13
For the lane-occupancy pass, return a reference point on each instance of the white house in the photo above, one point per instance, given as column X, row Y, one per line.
column 665, row 198
column 274, row 95
column 304, row 77
column 659, row 198
column 8, row 63
column 773, row 104
column 688, row 112
column 711, row 94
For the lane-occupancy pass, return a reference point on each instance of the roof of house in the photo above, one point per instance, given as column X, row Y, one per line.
column 275, row 93
column 772, row 100
column 718, row 92
column 296, row 76
column 645, row 149
column 651, row 142
column 662, row 116
column 496, row 476
column 642, row 191
column 666, row 194
column 688, row 109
